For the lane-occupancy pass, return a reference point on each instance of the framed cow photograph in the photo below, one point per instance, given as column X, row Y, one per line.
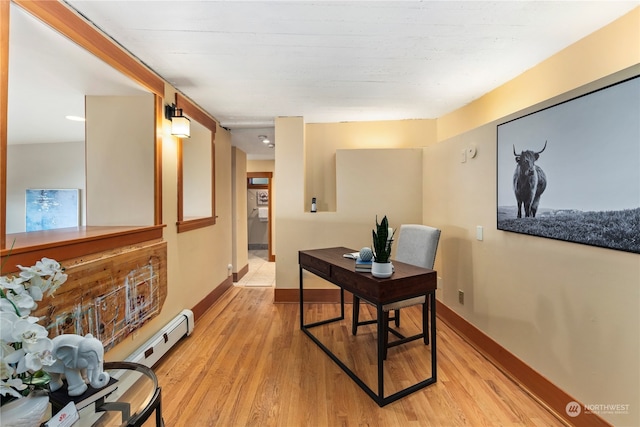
column 572, row 171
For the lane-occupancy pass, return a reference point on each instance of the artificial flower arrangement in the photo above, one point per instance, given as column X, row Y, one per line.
column 24, row 344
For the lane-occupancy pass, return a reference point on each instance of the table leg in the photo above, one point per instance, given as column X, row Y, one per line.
column 381, row 329
column 432, row 302
column 301, row 301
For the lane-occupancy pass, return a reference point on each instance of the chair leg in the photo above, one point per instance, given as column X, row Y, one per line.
column 396, row 315
column 385, row 333
column 356, row 315
column 425, row 320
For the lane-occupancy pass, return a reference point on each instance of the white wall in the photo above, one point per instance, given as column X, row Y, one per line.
column 54, row 165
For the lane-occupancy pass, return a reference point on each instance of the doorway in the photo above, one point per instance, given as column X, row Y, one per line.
column 259, row 212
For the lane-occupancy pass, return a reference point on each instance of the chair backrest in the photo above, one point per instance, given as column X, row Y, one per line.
column 417, row 245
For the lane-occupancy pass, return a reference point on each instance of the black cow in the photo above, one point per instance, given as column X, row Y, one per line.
column 529, row 181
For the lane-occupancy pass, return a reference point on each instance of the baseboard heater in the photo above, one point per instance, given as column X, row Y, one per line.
column 157, row 346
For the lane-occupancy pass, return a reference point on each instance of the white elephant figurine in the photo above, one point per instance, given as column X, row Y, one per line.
column 77, row 357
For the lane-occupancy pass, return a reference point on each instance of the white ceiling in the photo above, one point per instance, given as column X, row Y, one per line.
column 330, row 61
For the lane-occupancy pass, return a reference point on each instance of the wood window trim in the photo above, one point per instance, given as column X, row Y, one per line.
column 77, row 241
column 195, row 113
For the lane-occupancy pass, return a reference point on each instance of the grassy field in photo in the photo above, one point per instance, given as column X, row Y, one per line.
column 610, row 229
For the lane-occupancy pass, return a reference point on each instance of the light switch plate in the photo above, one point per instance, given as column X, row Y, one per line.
column 479, row 232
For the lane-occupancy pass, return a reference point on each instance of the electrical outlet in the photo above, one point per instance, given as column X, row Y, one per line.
column 461, row 296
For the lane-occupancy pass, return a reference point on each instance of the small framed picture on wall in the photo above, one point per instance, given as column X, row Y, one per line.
column 262, row 197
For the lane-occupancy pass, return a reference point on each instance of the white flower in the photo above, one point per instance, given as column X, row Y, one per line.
column 6, row 370
column 38, row 354
column 36, row 274
column 23, row 302
column 10, row 387
column 36, row 293
column 7, row 320
column 24, row 346
column 14, row 283
column 27, row 332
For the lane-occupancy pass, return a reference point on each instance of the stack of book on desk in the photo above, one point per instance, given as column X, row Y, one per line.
column 363, row 266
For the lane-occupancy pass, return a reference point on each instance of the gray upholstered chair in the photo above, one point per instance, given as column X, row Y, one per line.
column 417, row 245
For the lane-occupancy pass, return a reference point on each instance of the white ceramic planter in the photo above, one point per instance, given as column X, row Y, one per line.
column 381, row 270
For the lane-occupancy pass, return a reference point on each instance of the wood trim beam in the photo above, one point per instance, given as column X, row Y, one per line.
column 69, row 23
column 77, row 242
column 157, row 169
column 4, row 99
column 192, row 110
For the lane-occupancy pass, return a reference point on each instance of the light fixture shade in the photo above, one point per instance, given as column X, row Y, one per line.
column 180, row 127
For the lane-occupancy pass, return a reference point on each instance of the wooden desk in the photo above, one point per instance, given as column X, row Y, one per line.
column 407, row 281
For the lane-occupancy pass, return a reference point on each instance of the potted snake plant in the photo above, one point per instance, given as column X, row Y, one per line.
column 382, row 267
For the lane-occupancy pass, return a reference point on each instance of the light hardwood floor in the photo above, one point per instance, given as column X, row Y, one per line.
column 248, row 364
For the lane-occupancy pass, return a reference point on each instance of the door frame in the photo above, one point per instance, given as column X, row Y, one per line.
column 268, row 175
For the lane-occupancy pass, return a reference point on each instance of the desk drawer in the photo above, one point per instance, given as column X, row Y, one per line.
column 317, row 266
column 346, row 278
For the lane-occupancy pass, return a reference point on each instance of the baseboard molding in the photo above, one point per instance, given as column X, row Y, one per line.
column 241, row 273
column 539, row 387
column 212, row 297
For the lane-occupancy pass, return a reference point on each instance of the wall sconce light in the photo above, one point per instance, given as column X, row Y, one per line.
column 180, row 125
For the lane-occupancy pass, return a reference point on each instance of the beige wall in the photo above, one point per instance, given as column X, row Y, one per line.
column 120, row 187
column 196, row 173
column 323, row 139
column 240, row 257
column 188, row 282
column 370, row 181
column 570, row 311
column 261, row 166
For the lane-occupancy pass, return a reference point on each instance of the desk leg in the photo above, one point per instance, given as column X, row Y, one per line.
column 432, row 302
column 301, row 301
column 380, row 356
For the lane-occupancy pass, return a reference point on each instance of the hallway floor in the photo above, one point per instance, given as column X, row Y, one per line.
column 262, row 273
